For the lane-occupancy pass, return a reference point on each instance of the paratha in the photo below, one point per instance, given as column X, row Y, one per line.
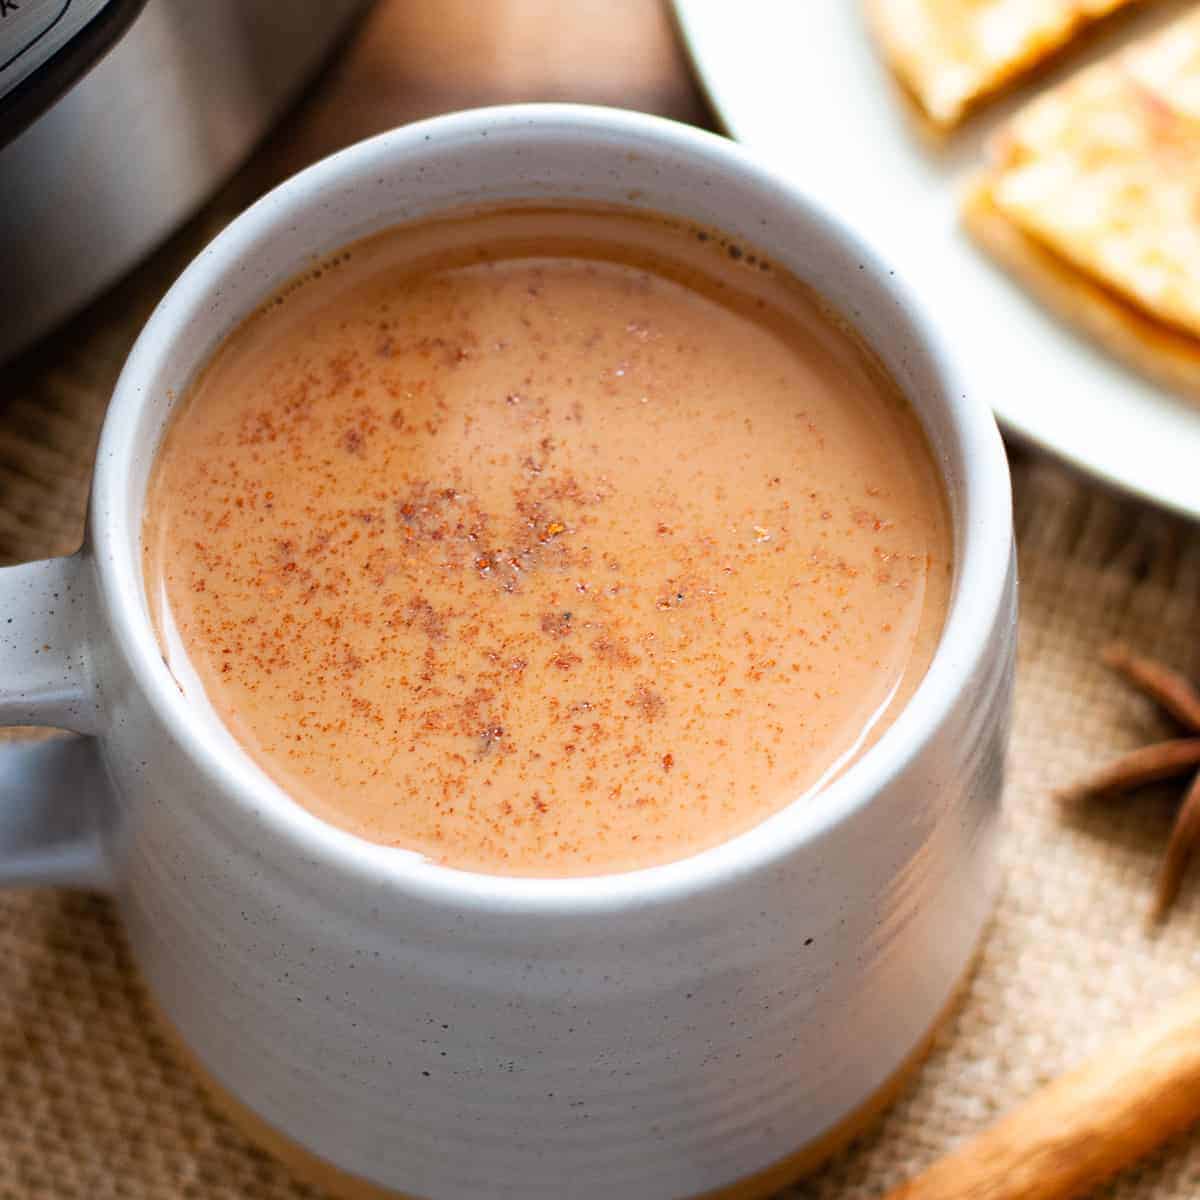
column 950, row 54
column 1098, row 183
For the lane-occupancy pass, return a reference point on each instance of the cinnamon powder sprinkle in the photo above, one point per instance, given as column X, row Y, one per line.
column 458, row 536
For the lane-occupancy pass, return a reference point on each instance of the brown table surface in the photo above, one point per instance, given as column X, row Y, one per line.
column 91, row 1102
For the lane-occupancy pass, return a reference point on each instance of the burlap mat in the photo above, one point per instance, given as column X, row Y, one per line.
column 92, row 1104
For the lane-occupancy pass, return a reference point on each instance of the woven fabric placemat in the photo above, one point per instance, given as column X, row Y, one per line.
column 93, row 1105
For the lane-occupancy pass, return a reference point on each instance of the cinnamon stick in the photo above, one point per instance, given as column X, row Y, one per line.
column 1138, row 1091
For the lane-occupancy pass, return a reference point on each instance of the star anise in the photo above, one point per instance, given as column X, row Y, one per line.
column 1177, row 697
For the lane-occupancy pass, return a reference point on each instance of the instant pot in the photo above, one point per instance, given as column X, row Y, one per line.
column 118, row 118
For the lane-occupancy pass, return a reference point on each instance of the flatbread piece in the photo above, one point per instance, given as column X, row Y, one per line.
column 1093, row 197
column 950, row 54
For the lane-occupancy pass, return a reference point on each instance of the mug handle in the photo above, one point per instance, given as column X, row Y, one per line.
column 49, row 788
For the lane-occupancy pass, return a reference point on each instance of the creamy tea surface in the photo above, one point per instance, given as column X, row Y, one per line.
column 547, row 542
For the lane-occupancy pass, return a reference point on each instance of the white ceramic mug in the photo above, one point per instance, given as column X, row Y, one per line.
column 661, row 1033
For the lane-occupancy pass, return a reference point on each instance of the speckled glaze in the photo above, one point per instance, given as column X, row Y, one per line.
column 662, row 1033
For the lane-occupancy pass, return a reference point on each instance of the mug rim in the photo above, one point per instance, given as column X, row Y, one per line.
column 983, row 555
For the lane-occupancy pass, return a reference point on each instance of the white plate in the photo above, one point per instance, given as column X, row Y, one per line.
column 800, row 81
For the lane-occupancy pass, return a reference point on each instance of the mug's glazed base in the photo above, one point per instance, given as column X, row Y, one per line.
column 342, row 1185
